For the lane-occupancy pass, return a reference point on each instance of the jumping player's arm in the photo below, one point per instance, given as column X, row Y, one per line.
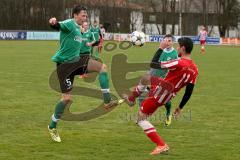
column 54, row 23
column 63, row 26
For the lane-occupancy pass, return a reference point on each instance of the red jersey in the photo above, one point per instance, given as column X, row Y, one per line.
column 180, row 72
column 202, row 35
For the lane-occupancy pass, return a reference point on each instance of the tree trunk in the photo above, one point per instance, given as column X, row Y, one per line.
column 164, row 11
column 173, row 7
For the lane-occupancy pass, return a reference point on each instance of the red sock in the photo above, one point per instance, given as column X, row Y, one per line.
column 153, row 135
column 131, row 98
column 135, row 93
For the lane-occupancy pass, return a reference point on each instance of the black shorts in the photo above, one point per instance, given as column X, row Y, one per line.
column 96, row 43
column 67, row 71
column 85, row 54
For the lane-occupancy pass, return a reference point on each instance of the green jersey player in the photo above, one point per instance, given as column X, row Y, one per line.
column 88, row 40
column 70, row 40
column 69, row 64
column 169, row 53
column 95, row 29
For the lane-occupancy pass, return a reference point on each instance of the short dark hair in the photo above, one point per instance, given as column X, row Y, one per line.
column 168, row 36
column 187, row 43
column 77, row 9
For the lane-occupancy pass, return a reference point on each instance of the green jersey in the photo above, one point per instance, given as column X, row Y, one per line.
column 96, row 31
column 87, row 37
column 167, row 54
column 70, row 41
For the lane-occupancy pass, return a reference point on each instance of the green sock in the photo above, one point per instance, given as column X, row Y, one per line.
column 140, row 100
column 104, row 83
column 59, row 109
column 168, row 108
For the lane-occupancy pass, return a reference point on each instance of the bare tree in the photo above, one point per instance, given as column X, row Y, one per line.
column 134, row 16
column 228, row 12
column 164, row 12
column 204, row 7
column 153, row 4
column 173, row 10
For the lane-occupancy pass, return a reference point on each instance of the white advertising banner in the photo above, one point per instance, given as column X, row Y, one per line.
column 43, row 35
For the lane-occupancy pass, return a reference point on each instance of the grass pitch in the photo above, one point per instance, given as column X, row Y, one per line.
column 208, row 129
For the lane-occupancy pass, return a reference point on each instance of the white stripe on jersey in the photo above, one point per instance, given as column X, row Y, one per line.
column 177, row 85
column 188, row 76
column 168, row 64
column 162, row 96
column 157, row 91
column 168, row 98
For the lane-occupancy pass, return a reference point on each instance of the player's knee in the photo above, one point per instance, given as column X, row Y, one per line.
column 103, row 68
column 66, row 98
column 140, row 122
column 145, row 125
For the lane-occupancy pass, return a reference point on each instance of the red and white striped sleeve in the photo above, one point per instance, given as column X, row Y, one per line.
column 170, row 64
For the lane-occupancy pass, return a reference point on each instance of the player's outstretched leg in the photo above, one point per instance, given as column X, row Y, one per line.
column 138, row 90
column 149, row 106
column 96, row 66
column 168, row 119
column 59, row 109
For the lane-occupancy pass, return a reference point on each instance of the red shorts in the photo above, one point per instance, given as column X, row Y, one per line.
column 202, row 42
column 160, row 93
column 149, row 106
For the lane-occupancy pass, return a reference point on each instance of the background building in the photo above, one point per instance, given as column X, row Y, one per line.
column 178, row 17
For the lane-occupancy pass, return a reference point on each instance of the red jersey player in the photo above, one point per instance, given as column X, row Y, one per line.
column 202, row 38
column 182, row 72
column 103, row 31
